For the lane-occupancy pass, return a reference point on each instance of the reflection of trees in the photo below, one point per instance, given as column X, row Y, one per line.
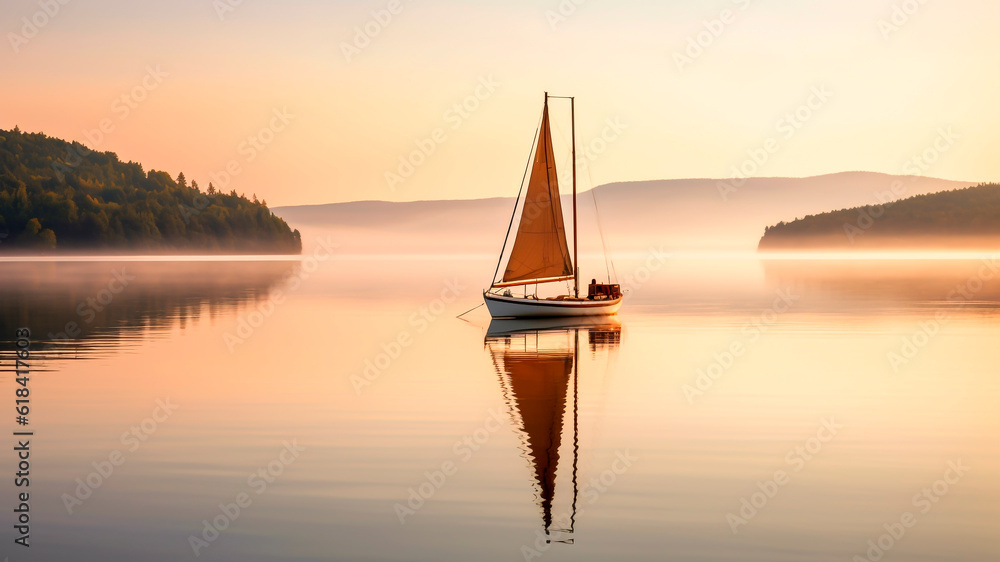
column 884, row 283
column 88, row 306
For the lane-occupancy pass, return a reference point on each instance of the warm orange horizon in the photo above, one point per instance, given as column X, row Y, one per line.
column 682, row 91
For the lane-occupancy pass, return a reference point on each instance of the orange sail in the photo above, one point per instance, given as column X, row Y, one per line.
column 540, row 250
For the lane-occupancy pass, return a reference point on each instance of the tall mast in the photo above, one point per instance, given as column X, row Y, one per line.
column 576, row 264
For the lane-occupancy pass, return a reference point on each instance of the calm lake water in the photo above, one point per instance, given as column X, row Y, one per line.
column 335, row 409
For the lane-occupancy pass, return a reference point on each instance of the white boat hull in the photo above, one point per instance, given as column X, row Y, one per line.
column 520, row 307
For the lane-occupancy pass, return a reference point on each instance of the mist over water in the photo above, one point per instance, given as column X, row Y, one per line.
column 862, row 381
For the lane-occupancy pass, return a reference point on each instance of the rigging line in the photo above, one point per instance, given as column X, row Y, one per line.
column 470, row 310
column 562, row 214
column 518, row 200
column 568, row 159
column 563, row 137
column 609, row 263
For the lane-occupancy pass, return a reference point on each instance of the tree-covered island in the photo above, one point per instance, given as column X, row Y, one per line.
column 58, row 196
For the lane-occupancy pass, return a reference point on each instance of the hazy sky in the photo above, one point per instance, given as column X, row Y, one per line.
column 334, row 112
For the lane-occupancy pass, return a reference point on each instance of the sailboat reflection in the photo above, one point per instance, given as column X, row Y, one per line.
column 534, row 360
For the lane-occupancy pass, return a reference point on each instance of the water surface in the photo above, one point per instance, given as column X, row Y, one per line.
column 387, row 429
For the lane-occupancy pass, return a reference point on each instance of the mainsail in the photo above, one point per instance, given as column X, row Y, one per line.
column 540, row 251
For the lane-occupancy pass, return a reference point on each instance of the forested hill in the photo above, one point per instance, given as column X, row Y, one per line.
column 962, row 218
column 61, row 196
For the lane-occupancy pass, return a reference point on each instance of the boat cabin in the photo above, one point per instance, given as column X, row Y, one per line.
column 602, row 291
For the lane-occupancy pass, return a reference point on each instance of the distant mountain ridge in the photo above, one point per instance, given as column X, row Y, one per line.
column 673, row 214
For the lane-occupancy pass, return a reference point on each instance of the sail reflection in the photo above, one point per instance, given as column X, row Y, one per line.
column 538, row 365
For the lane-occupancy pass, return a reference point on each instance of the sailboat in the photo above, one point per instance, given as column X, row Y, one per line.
column 540, row 252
